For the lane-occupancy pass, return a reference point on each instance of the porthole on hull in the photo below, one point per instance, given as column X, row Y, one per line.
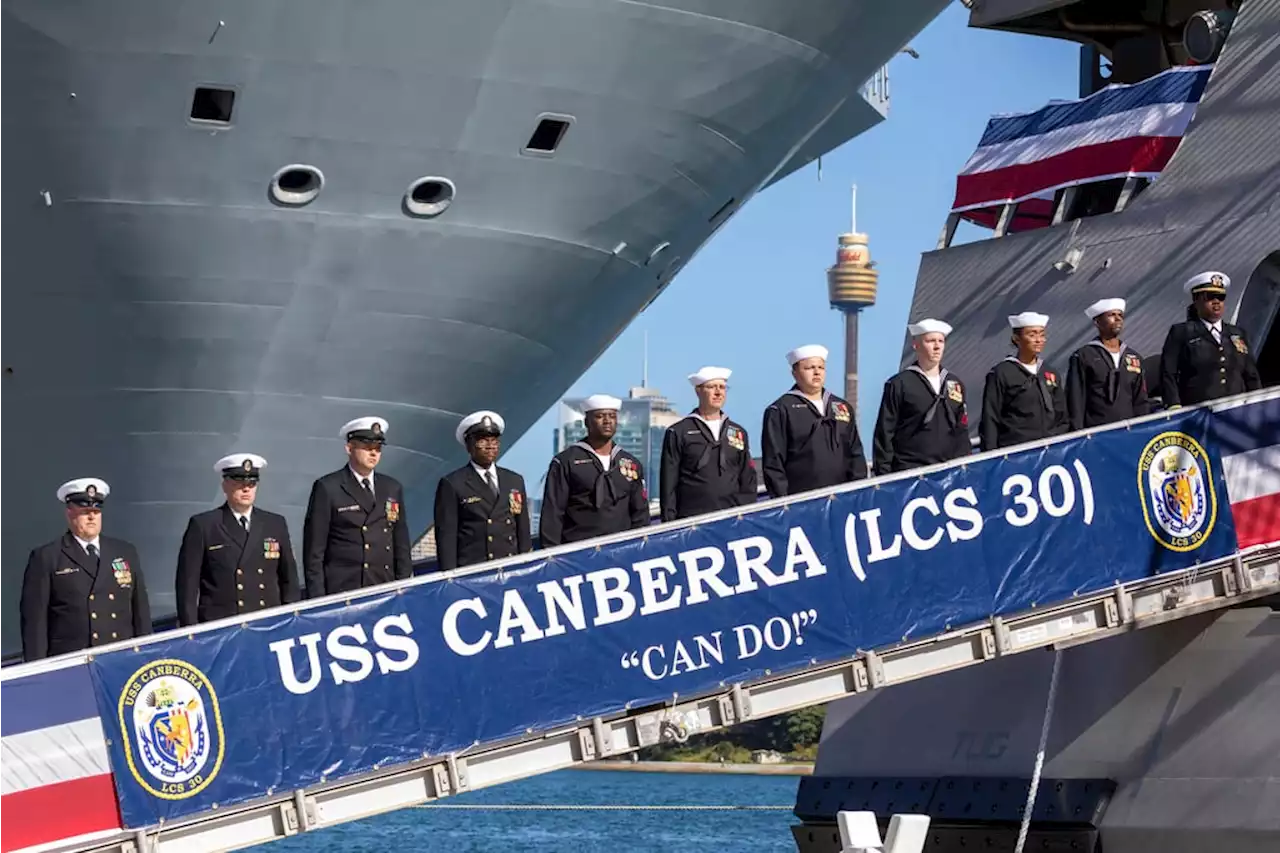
column 429, row 196
column 296, row 184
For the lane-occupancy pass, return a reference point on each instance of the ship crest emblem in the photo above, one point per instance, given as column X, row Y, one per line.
column 1175, row 482
column 171, row 729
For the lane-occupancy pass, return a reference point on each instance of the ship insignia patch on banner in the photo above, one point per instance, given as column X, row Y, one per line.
column 120, row 568
column 393, row 510
column 172, row 729
column 1176, row 485
column 270, row 549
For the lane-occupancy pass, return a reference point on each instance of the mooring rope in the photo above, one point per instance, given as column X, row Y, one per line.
column 1044, row 739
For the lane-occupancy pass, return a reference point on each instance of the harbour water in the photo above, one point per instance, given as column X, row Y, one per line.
column 668, row 811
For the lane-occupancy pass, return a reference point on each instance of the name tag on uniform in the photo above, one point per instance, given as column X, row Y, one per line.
column 351, row 508
column 69, row 570
column 581, row 461
column 474, row 499
column 692, row 432
column 216, row 547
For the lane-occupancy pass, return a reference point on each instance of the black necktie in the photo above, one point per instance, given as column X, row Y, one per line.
column 364, row 481
column 244, row 522
column 93, row 552
column 493, row 483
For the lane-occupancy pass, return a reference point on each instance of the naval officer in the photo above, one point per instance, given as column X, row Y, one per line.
column 237, row 558
column 809, row 440
column 482, row 510
column 923, row 416
column 706, row 457
column 82, row 589
column 355, row 534
column 1023, row 399
column 1205, row 358
column 1104, row 377
column 594, row 487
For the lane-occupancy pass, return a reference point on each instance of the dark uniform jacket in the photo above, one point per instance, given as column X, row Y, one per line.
column 1018, row 406
column 582, row 500
column 702, row 473
column 1100, row 393
column 804, row 449
column 474, row 525
column 1194, row 367
column 918, row 426
column 225, row 571
column 351, row 540
column 69, row 604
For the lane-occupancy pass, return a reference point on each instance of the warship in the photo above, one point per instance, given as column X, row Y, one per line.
column 235, row 227
column 1157, row 741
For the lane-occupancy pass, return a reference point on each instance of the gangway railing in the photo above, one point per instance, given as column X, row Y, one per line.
column 336, row 709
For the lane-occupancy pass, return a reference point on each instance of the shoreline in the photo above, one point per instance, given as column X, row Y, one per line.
column 698, row 767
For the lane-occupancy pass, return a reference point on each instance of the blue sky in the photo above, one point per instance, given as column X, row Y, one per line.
column 759, row 287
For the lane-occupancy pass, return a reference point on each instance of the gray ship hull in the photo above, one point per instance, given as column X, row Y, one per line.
column 161, row 310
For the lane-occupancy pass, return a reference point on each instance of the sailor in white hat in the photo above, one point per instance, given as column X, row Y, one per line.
column 82, row 589
column 481, row 510
column 1205, row 358
column 237, row 558
column 1023, row 398
column 923, row 417
column 810, row 437
column 1105, row 381
column 706, row 457
column 356, row 534
column 593, row 487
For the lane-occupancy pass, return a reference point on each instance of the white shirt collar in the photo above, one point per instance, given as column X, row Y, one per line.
column 1216, row 325
column 85, row 543
column 492, row 469
column 247, row 514
column 356, row 474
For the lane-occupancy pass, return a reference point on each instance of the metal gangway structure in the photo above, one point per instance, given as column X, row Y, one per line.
column 238, row 732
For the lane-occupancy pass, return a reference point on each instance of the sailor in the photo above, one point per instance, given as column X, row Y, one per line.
column 355, row 534
column 236, row 558
column 82, row 589
column 923, row 417
column 1104, row 378
column 809, row 440
column 594, row 487
column 1023, row 399
column 1204, row 358
column 482, row 510
column 706, row 457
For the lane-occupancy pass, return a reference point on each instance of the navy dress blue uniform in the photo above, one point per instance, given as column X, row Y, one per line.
column 72, row 601
column 473, row 523
column 1195, row 364
column 917, row 425
column 581, row 500
column 806, row 446
column 1020, row 406
column 1100, row 391
column 702, row 472
column 224, row 570
column 352, row 539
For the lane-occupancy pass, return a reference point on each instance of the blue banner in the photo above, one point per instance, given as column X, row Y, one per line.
column 303, row 697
